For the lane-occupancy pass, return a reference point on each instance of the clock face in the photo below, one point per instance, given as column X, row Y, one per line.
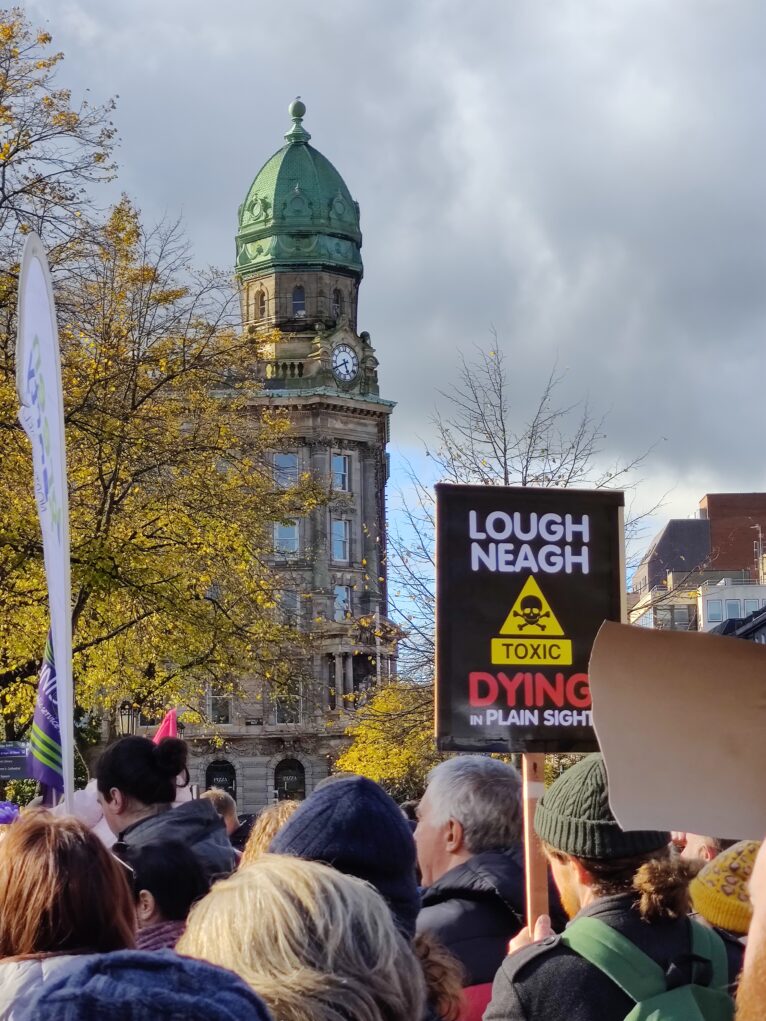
column 345, row 363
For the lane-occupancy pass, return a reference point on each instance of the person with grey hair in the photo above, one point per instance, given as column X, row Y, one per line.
column 469, row 843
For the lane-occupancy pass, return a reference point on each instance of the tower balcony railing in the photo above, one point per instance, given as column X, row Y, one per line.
column 291, row 316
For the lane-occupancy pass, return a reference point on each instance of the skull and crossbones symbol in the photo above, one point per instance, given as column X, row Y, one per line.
column 531, row 613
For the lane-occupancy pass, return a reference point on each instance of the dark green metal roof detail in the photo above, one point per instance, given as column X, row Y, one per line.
column 298, row 212
column 327, row 391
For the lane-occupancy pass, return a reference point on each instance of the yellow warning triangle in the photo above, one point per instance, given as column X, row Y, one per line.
column 531, row 615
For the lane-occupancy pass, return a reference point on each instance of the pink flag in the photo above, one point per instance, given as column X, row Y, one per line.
column 168, row 727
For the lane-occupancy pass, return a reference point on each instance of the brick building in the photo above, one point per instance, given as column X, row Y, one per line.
column 721, row 545
column 737, row 523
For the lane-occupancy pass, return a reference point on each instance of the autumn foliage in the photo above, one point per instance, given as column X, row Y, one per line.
column 172, row 498
column 392, row 739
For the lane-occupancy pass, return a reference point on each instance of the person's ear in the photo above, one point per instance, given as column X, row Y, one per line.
column 117, row 800
column 146, row 906
column 706, row 852
column 579, row 872
column 454, row 836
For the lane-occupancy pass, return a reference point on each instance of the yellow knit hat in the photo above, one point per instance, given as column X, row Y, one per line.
column 720, row 891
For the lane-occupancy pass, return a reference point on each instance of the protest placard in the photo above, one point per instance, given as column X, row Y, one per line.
column 680, row 717
column 525, row 578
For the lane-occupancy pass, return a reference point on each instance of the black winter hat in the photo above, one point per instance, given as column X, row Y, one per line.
column 353, row 825
column 574, row 817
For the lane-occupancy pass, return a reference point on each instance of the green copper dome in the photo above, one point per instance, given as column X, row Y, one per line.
column 298, row 212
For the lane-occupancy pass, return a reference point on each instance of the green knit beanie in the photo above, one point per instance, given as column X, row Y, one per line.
column 574, row 817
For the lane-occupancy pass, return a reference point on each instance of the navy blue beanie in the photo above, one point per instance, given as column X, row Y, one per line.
column 353, row 825
column 134, row 985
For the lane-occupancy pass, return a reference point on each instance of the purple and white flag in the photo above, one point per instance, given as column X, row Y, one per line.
column 45, row 735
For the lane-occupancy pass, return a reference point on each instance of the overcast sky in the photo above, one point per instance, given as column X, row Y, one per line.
column 586, row 176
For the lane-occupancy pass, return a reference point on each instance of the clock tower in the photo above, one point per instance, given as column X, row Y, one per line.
column 299, row 268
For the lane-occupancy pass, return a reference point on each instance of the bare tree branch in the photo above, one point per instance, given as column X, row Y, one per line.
column 480, row 440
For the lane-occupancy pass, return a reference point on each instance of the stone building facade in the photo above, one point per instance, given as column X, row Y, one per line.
column 299, row 269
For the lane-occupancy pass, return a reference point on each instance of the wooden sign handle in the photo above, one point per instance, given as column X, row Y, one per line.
column 535, row 864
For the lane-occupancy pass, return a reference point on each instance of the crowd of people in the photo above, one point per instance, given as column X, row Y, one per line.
column 343, row 908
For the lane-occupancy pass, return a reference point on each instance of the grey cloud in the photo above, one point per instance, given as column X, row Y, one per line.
column 588, row 177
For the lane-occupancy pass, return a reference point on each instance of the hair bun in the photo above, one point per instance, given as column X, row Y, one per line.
column 170, row 755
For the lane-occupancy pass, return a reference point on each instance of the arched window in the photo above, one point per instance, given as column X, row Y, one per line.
column 337, row 303
column 290, row 781
column 260, row 304
column 299, row 302
column 222, row 774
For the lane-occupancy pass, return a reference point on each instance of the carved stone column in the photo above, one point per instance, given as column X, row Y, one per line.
column 371, row 530
column 348, row 670
column 338, row 679
column 320, row 467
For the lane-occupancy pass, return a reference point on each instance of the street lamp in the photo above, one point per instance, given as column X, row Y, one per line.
column 127, row 718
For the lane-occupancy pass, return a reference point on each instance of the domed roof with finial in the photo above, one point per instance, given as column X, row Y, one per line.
column 298, row 211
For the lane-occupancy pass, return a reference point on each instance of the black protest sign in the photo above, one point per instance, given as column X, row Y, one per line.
column 525, row 578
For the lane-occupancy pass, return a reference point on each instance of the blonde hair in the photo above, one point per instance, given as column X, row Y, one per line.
column 223, row 802
column 316, row 944
column 267, row 825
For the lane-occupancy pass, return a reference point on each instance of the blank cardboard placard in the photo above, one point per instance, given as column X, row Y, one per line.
column 681, row 721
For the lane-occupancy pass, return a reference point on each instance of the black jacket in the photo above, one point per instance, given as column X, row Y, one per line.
column 238, row 839
column 475, row 909
column 735, row 949
column 549, row 982
column 194, row 823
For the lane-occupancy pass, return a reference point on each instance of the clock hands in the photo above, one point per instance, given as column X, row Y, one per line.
column 344, row 363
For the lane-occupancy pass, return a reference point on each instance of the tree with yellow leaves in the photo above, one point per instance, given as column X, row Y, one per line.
column 392, row 739
column 172, row 498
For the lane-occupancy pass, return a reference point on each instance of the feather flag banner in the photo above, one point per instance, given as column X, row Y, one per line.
column 41, row 412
